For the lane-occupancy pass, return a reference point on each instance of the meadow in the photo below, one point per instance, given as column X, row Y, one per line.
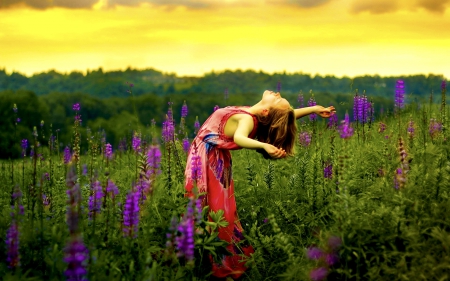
column 364, row 198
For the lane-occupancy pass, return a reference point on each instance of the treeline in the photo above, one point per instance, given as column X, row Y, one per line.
column 116, row 118
column 114, row 83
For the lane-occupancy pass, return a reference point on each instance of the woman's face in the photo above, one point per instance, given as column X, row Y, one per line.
column 274, row 100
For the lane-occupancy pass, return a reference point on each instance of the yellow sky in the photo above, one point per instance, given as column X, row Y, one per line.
column 192, row 37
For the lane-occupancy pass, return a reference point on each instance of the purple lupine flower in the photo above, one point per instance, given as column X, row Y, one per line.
column 318, row 274
column 196, row 166
column 332, row 121
column 185, row 241
column 123, row 144
column 143, row 187
column 199, row 209
column 300, row 100
column 111, row 188
column 381, row 127
column 328, row 171
column 184, row 110
column 84, row 171
column 76, row 256
column 279, row 86
column 45, row 200
column 12, row 245
column 304, row 138
column 35, row 133
column 435, row 128
column 46, row 176
column 154, row 160
column 345, row 129
column 76, row 107
column 24, row 147
column 168, row 130
column 196, row 125
column 95, row 200
column 334, row 242
column 312, row 102
column 215, row 107
column 399, row 95
column 314, row 253
column 171, row 234
column 331, row 259
column 355, row 106
column 108, row 151
column 266, row 220
column 399, row 178
column 225, row 94
column 18, row 120
column 136, row 142
column 186, row 144
column 74, row 201
column 15, row 108
column 131, row 215
column 443, row 85
column 67, row 155
column 411, row 129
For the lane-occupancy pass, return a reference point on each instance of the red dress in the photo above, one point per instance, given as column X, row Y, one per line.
column 212, row 145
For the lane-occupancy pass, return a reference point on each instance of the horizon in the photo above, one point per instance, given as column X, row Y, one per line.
column 193, row 37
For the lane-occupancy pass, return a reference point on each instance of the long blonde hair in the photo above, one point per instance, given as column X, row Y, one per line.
column 278, row 128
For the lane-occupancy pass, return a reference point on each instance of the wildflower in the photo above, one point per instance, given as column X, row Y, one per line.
column 45, row 200
column 196, row 125
column 171, row 234
column 12, row 245
column 24, row 147
column 76, row 107
column 46, row 176
column 67, row 155
column 304, row 139
column 168, row 130
column 123, row 145
column 225, row 94
column 279, row 86
column 42, row 123
column 95, row 200
column 15, row 108
column 314, row 253
column 186, row 144
column 331, row 258
column 85, row 170
column 184, row 110
column 399, row 95
column 345, row 129
column 328, row 171
column 334, row 242
column 154, row 160
column 266, row 220
column 35, row 133
column 362, row 109
column 196, row 166
column 312, row 102
column 108, row 151
column 332, row 121
column 300, row 100
column 18, row 120
column 443, row 85
column 131, row 215
column 185, row 241
column 76, row 257
column 411, row 128
column 216, row 107
column 381, row 127
column 111, row 188
column 136, row 142
column 318, row 274
column 435, row 128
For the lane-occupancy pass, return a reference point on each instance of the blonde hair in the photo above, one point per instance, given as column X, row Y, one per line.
column 278, row 128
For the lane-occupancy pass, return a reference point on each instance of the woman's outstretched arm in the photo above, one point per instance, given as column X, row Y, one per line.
column 317, row 109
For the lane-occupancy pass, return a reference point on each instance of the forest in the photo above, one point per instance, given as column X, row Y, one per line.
column 115, row 101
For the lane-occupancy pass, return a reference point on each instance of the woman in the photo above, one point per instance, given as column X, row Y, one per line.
column 268, row 126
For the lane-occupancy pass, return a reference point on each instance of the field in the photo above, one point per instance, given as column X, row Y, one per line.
column 362, row 199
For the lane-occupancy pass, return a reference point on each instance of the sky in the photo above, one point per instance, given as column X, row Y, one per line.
column 193, row 37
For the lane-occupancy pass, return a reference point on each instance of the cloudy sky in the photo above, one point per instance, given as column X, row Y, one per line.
column 192, row 37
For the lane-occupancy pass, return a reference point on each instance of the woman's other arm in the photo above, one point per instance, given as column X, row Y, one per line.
column 317, row 109
column 243, row 130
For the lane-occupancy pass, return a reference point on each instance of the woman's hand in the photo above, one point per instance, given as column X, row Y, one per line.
column 274, row 152
column 325, row 112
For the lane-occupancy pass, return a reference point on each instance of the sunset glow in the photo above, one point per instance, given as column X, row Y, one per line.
column 193, row 37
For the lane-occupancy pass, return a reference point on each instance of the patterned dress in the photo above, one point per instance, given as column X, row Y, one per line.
column 212, row 146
